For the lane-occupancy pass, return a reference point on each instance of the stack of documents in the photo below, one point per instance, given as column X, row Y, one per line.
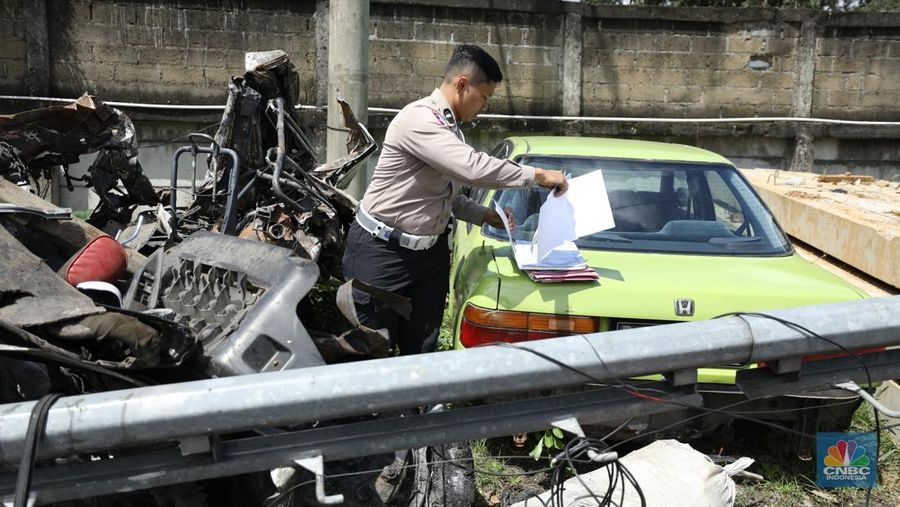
column 552, row 256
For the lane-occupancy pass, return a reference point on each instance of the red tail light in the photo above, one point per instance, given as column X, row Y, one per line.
column 480, row 326
column 831, row 355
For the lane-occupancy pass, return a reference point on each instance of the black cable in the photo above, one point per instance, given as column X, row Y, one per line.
column 808, row 332
column 635, row 391
column 36, row 424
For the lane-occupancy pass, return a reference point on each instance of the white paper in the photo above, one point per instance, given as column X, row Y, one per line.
column 556, row 224
column 503, row 218
column 563, row 257
column 590, row 204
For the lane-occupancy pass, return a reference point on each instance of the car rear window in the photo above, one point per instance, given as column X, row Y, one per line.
column 666, row 207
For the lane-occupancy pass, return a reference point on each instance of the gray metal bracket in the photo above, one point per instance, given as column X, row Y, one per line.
column 685, row 377
column 316, row 465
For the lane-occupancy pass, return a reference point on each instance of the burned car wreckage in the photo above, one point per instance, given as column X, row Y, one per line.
column 242, row 277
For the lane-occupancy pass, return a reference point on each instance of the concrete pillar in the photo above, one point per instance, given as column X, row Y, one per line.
column 572, row 48
column 804, row 153
column 37, row 49
column 322, row 21
column 348, row 71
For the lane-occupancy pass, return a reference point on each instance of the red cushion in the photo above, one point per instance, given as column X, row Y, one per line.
column 103, row 259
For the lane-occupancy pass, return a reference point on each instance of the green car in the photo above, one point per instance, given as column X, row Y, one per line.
column 692, row 240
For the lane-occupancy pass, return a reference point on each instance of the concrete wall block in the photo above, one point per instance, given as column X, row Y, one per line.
column 856, row 82
column 429, row 68
column 700, row 61
column 839, row 64
column 11, row 9
column 533, row 72
column 670, row 77
column 14, row 68
column 542, row 37
column 521, row 88
column 888, row 68
column 13, row 47
column 391, row 66
column 832, row 47
column 600, row 74
column 673, row 43
column 10, row 29
column 782, row 97
column 635, row 76
column 473, row 34
column 594, row 39
column 752, row 96
column 204, row 19
column 708, row 44
column 432, row 31
column 136, row 73
column 165, row 56
column 605, row 93
column 217, row 78
column 619, row 58
column 781, row 46
column 881, row 99
column 133, row 35
column 683, row 94
column 221, row 39
column 379, row 50
column 737, row 44
column 873, row 47
column 732, row 62
column 109, row 13
column 393, row 29
column 545, row 56
column 506, row 35
column 740, row 79
column 647, row 93
column 721, row 95
column 104, row 53
column 776, row 80
column 831, row 81
column 180, row 74
column 78, row 73
column 257, row 41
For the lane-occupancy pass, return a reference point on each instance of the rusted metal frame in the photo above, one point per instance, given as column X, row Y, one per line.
column 278, row 167
column 230, row 215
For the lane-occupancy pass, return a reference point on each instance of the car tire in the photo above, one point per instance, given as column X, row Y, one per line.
column 443, row 476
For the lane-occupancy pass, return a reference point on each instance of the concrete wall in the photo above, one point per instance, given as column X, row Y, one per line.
column 608, row 61
column 166, row 52
column 12, row 46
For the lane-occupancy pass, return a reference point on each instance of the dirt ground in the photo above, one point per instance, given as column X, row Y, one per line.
column 507, row 474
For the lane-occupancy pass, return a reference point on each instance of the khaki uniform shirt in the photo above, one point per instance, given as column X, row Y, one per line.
column 424, row 163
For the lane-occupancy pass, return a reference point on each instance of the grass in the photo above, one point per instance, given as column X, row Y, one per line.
column 504, row 473
column 790, row 481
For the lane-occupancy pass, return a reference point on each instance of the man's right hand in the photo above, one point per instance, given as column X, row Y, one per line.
column 548, row 178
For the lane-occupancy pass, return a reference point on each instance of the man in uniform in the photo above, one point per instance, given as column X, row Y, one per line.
column 398, row 241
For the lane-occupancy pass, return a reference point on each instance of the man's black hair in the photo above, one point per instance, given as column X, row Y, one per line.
column 474, row 61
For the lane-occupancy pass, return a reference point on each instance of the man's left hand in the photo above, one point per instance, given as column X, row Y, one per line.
column 493, row 219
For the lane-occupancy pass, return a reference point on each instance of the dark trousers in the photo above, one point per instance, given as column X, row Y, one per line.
column 422, row 276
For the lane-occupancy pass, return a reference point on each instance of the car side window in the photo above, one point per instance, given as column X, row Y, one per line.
column 727, row 208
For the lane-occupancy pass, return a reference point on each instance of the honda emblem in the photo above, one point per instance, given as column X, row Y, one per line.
column 684, row 307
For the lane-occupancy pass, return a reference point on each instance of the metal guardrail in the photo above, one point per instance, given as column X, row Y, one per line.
column 191, row 413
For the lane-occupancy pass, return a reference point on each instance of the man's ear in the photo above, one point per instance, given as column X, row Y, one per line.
column 461, row 82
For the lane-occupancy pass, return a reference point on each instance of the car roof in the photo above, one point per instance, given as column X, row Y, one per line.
column 613, row 148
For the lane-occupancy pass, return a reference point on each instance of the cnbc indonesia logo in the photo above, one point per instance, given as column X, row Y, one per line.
column 846, row 462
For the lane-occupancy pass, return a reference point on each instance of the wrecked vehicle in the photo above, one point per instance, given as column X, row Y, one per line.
column 34, row 142
column 242, row 277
